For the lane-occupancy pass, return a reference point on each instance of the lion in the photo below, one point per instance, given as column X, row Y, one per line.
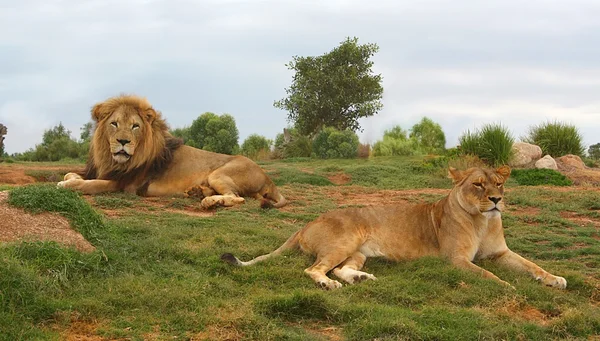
column 133, row 151
column 462, row 227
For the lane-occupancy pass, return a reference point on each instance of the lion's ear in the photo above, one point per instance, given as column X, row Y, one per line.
column 504, row 171
column 455, row 174
column 98, row 113
column 150, row 115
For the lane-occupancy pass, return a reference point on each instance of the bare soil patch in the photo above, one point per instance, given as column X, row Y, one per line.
column 579, row 219
column 20, row 225
column 339, row 178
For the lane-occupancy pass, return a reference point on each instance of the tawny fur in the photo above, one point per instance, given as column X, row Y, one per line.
column 462, row 227
column 133, row 151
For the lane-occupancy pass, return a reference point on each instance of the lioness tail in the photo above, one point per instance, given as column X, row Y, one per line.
column 289, row 244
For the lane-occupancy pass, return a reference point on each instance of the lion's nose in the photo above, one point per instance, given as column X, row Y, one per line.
column 495, row 200
column 123, row 141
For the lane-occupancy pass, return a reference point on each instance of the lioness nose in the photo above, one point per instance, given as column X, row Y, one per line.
column 495, row 200
column 123, row 141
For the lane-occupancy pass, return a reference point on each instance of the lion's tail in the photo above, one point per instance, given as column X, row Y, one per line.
column 291, row 243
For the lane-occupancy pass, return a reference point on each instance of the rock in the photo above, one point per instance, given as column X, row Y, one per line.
column 572, row 160
column 525, row 154
column 547, row 162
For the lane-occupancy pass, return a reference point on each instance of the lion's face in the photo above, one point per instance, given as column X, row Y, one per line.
column 124, row 129
column 481, row 191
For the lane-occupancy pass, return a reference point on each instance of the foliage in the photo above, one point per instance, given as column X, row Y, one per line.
column 395, row 143
column 540, row 177
column 298, row 146
column 335, row 89
column 56, row 145
column 3, row 131
column 215, row 133
column 492, row 144
column 86, row 132
column 556, row 139
column 594, row 151
column 429, row 136
column 331, row 143
column 184, row 134
column 256, row 145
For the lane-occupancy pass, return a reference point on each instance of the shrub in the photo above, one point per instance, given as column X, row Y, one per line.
column 492, row 144
column 429, row 136
column 297, row 146
column 395, row 143
column 556, row 139
column 331, row 143
column 256, row 147
column 536, row 177
column 364, row 150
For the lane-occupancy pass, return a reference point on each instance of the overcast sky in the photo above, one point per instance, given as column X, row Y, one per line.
column 461, row 63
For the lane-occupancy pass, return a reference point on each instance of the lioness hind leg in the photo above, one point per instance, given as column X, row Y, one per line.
column 223, row 185
column 318, row 271
column 349, row 269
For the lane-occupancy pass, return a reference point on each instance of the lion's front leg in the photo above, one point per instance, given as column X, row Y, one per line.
column 514, row 261
column 88, row 186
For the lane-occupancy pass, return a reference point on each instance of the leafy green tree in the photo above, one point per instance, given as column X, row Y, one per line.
column 429, row 136
column 86, row 132
column 254, row 145
column 331, row 143
column 3, row 132
column 184, row 134
column 55, row 133
column 395, row 143
column 594, row 151
column 335, row 89
column 215, row 133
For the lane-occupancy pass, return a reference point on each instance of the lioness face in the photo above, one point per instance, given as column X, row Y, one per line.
column 482, row 190
column 124, row 127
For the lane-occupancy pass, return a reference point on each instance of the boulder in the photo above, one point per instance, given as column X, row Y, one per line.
column 572, row 160
column 525, row 154
column 547, row 162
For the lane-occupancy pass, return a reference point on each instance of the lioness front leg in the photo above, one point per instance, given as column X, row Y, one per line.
column 514, row 261
column 88, row 186
column 465, row 263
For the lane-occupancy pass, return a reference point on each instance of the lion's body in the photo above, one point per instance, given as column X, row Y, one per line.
column 133, row 151
column 462, row 227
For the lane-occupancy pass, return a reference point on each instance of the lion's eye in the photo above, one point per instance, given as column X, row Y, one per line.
column 478, row 184
column 114, row 124
column 135, row 126
column 499, row 184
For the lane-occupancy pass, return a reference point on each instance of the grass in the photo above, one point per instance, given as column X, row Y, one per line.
column 157, row 275
column 536, row 177
column 492, row 144
column 556, row 138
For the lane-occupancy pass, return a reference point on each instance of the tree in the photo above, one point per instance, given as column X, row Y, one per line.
column 184, row 134
column 335, row 89
column 255, row 145
column 3, row 131
column 215, row 133
column 594, row 151
column 395, row 143
column 429, row 136
column 55, row 133
column 86, row 132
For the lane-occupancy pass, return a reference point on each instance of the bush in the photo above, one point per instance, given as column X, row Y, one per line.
column 594, row 151
column 331, row 143
column 429, row 137
column 297, row 146
column 395, row 143
column 556, row 139
column 256, row 147
column 536, row 177
column 364, row 150
column 492, row 144
column 215, row 133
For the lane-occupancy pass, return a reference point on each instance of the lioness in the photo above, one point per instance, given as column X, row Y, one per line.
column 132, row 150
column 463, row 226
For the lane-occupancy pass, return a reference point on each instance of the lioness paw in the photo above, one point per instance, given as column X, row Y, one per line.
column 555, row 282
column 329, row 284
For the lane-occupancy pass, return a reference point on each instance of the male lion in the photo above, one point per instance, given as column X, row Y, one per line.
column 133, row 151
column 462, row 227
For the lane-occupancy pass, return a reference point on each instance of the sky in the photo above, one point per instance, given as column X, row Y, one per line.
column 461, row 63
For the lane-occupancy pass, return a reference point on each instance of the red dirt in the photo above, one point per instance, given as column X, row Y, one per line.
column 579, row 220
column 339, row 178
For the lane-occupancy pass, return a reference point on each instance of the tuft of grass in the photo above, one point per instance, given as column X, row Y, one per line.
column 492, row 144
column 537, row 177
column 556, row 138
column 47, row 197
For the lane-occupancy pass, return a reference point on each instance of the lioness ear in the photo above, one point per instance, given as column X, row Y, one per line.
column 97, row 113
column 455, row 174
column 504, row 171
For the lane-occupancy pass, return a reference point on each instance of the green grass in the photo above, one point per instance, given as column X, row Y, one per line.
column 536, row 177
column 158, row 274
column 492, row 144
column 556, row 138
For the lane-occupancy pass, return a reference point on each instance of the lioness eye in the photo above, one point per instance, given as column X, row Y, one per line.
column 478, row 184
column 135, row 126
column 114, row 124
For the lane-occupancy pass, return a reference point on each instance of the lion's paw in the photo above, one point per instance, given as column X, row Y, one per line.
column 71, row 183
column 555, row 281
column 71, row 176
column 329, row 284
